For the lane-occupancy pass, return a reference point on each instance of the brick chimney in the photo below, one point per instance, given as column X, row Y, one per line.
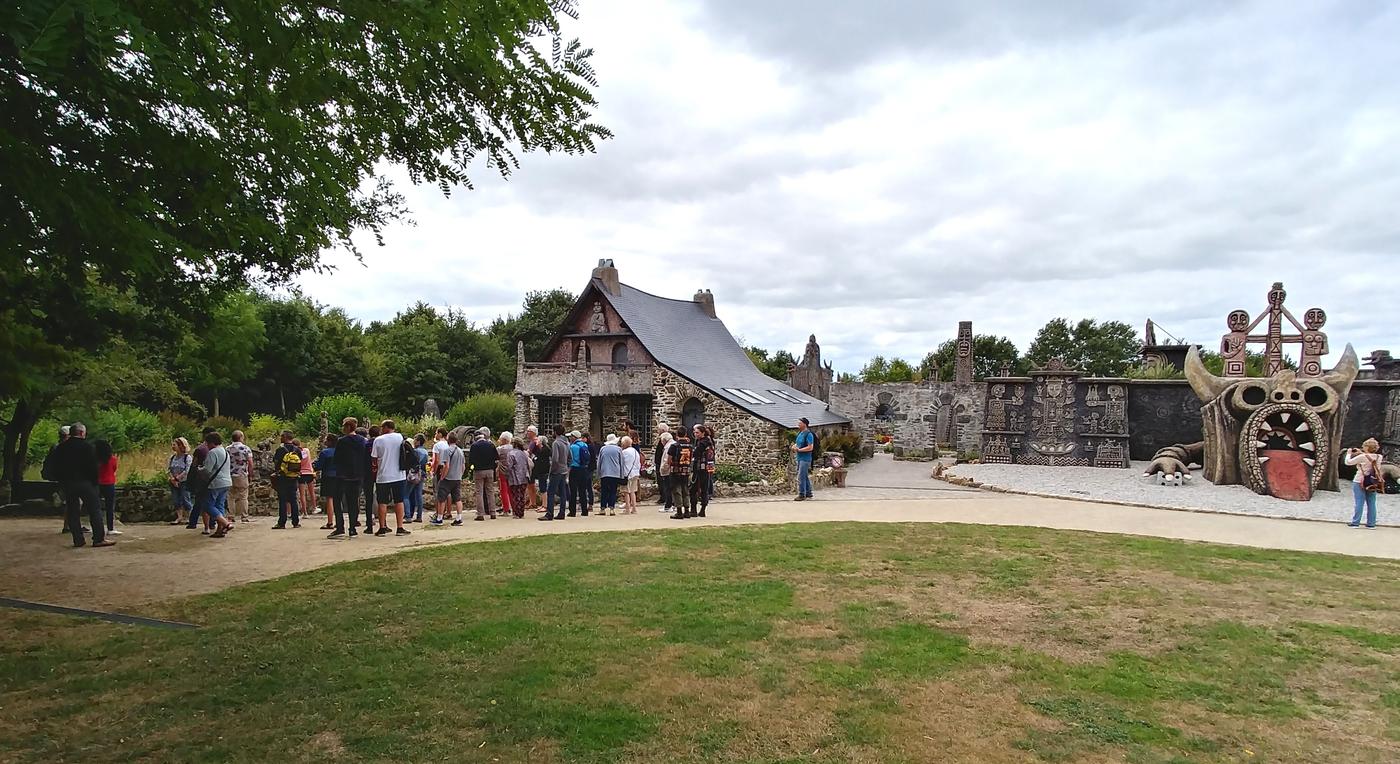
column 606, row 272
column 706, row 301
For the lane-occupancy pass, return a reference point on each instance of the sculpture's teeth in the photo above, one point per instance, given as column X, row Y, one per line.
column 1263, row 459
column 1308, row 446
column 1284, row 417
column 1310, row 462
column 1261, row 444
column 1302, row 427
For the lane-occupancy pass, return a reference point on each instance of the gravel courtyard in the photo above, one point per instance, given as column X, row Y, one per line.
column 1130, row 487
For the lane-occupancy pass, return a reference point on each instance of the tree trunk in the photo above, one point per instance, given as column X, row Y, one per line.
column 16, row 444
column 282, row 398
column 216, row 404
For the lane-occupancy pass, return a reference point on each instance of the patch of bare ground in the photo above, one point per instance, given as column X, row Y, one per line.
column 975, row 717
column 325, row 744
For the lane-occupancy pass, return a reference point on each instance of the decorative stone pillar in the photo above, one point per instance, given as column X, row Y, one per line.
column 962, row 366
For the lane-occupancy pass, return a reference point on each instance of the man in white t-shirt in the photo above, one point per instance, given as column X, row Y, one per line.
column 389, row 476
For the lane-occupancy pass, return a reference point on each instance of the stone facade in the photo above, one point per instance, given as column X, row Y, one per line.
column 1056, row 418
column 741, row 439
column 916, row 415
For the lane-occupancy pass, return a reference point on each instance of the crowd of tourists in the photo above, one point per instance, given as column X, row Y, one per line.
column 378, row 472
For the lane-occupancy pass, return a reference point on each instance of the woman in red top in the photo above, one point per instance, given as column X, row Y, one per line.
column 107, row 483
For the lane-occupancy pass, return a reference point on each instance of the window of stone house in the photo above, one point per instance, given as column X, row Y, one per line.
column 692, row 413
column 551, row 414
column 639, row 414
column 619, row 354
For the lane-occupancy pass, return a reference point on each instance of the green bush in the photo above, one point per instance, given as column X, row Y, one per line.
column 848, row 443
column 427, row 425
column 337, row 407
column 145, row 480
column 127, row 428
column 494, row 410
column 174, row 425
column 264, row 427
column 44, row 437
column 224, row 424
column 728, row 473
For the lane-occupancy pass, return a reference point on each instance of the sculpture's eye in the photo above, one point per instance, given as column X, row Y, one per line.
column 1319, row 397
column 1249, row 395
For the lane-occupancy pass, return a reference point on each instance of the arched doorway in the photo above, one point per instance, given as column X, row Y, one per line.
column 692, row 413
column 619, row 354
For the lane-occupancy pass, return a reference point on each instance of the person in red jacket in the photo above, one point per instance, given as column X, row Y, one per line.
column 107, row 483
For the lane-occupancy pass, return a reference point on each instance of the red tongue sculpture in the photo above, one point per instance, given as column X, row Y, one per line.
column 1286, row 475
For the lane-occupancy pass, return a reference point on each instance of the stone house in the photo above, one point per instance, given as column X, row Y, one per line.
column 625, row 354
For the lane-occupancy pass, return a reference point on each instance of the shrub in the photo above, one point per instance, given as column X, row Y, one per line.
column 427, row 425
column 127, row 428
column 494, row 410
column 43, row 437
column 145, row 480
column 728, row 473
column 224, row 424
column 174, row 425
column 337, row 407
column 848, row 443
column 266, row 426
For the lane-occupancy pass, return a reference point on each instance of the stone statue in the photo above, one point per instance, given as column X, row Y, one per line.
column 1276, row 435
column 430, row 409
column 1314, row 343
column 598, row 323
column 1235, row 344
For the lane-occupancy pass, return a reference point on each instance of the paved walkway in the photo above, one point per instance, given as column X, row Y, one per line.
column 155, row 562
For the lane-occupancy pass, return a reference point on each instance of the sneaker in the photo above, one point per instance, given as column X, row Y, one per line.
column 337, row 533
column 114, row 532
column 436, row 521
column 1353, row 525
column 354, row 533
column 1370, row 527
column 204, row 531
column 382, row 531
column 800, row 498
column 493, row 515
column 544, row 519
column 104, row 542
column 402, row 532
column 478, row 518
column 458, row 521
column 280, row 527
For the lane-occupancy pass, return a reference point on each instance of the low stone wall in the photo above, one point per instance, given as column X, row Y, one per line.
column 913, row 414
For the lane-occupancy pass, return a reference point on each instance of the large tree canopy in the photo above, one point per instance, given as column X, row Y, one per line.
column 1105, row 349
column 541, row 315
column 171, row 150
column 989, row 354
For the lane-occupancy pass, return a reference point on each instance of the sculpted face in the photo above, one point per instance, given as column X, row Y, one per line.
column 1277, row 435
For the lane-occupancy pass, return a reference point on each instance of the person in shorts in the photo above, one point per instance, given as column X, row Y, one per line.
column 451, row 467
column 389, row 477
column 240, row 460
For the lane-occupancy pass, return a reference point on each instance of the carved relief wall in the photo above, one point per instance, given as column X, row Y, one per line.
column 1055, row 418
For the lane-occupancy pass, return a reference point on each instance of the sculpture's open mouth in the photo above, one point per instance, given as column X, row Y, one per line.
column 1282, row 450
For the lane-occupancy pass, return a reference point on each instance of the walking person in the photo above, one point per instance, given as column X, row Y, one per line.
column 196, row 483
column 681, row 457
column 388, row 460
column 559, row 470
column 178, row 469
column 663, row 470
column 631, row 475
column 483, row 457
column 350, row 468
column 1368, row 483
column 663, row 485
column 240, row 460
column 75, row 467
column 325, row 467
column 306, row 483
column 609, row 476
column 805, row 447
column 417, row 476
column 517, row 469
column 540, row 454
column 447, row 481
column 702, row 470
column 505, row 444
column 107, row 483
column 218, row 478
column 286, row 479
column 49, row 472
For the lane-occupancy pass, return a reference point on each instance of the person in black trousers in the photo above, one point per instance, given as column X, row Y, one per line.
column 350, row 468
column 702, row 465
column 75, row 468
column 368, row 481
column 663, row 483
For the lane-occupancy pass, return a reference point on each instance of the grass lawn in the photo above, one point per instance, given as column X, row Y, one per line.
column 823, row 643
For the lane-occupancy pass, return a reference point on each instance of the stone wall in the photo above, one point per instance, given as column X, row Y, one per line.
column 917, row 415
column 741, row 439
column 1055, row 417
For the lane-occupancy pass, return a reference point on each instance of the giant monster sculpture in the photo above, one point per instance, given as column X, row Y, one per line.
column 1276, row 435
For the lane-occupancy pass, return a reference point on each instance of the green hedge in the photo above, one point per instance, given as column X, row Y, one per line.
column 337, row 407
column 494, row 410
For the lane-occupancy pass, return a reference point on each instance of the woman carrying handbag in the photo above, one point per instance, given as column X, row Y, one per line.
column 1368, row 481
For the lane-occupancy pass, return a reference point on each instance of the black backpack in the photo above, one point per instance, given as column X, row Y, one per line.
column 408, row 460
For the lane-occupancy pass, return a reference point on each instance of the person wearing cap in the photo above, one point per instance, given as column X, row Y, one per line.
column 609, row 475
column 558, row 474
column 805, row 447
column 484, row 457
column 579, row 457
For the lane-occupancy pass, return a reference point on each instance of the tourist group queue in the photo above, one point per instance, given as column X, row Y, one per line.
column 379, row 469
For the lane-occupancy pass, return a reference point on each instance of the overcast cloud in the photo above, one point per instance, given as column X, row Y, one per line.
column 875, row 172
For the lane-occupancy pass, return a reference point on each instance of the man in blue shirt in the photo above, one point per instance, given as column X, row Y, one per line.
column 579, row 460
column 805, row 447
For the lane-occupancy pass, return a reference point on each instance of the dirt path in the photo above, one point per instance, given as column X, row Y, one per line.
column 155, row 562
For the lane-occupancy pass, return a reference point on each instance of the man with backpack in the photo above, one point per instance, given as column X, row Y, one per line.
column 391, row 462
column 681, row 456
column 350, row 469
column 286, row 464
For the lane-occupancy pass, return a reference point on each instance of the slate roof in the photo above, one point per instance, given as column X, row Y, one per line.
column 682, row 338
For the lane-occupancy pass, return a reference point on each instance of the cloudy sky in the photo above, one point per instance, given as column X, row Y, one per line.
column 874, row 172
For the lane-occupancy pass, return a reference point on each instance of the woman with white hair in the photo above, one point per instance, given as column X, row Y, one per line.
column 631, row 475
column 178, row 474
column 503, row 448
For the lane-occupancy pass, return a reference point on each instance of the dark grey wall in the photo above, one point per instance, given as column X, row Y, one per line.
column 1163, row 412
